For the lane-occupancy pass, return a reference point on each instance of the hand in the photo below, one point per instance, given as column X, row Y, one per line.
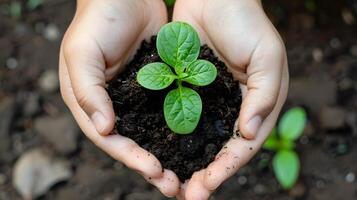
column 102, row 37
column 242, row 36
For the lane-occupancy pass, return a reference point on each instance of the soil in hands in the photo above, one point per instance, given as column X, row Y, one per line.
column 140, row 115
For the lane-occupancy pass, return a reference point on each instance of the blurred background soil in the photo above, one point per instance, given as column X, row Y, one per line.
column 321, row 40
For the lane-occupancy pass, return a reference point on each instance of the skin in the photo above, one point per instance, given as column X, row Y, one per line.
column 104, row 35
column 240, row 33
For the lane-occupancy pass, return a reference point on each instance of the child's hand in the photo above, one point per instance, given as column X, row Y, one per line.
column 101, row 39
column 243, row 37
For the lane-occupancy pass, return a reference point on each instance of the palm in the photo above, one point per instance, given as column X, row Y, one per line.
column 243, row 37
column 104, row 36
column 100, row 40
column 233, row 32
column 111, row 33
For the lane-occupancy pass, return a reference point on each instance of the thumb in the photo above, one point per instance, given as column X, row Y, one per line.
column 86, row 68
column 264, row 76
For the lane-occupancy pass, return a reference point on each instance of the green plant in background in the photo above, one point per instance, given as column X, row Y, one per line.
column 178, row 46
column 14, row 9
column 33, row 4
column 286, row 164
column 310, row 5
column 170, row 3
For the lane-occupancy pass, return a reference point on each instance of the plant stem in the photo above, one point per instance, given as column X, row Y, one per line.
column 179, row 83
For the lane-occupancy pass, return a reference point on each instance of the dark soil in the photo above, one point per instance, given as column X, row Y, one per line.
column 140, row 115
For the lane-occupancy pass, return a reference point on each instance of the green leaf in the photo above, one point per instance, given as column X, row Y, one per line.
column 292, row 123
column 33, row 4
column 286, row 167
column 182, row 110
column 155, row 76
column 15, row 9
column 178, row 45
column 170, row 3
column 201, row 73
column 285, row 144
column 272, row 143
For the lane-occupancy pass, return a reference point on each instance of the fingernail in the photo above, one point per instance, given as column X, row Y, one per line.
column 99, row 121
column 254, row 124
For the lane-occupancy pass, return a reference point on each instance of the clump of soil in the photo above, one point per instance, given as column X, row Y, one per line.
column 140, row 115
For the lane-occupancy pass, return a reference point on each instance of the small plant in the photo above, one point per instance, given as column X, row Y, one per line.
column 178, row 46
column 286, row 164
column 15, row 8
column 170, row 3
column 33, row 4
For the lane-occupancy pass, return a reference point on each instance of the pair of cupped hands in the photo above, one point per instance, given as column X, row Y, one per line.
column 105, row 34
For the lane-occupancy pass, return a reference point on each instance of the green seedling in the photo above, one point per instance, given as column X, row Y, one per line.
column 33, row 4
column 178, row 46
column 286, row 164
column 170, row 3
column 15, row 8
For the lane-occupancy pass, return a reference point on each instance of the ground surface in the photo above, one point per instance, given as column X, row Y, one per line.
column 321, row 41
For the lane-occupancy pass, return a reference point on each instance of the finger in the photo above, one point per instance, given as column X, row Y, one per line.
column 120, row 148
column 86, row 69
column 239, row 150
column 227, row 162
column 132, row 155
column 168, row 183
column 181, row 194
column 94, row 55
column 263, row 85
column 184, row 13
column 264, row 64
column 195, row 189
column 262, row 55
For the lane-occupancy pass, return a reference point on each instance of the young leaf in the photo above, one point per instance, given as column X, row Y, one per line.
column 286, row 167
column 33, row 4
column 272, row 143
column 170, row 3
column 285, row 144
column 182, row 110
column 155, row 76
column 201, row 73
column 15, row 9
column 292, row 124
column 178, row 45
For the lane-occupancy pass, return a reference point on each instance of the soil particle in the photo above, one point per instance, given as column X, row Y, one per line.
column 3, row 179
column 350, row 177
column 7, row 110
column 332, row 117
column 154, row 195
column 49, row 82
column 298, row 191
column 51, row 32
column 242, row 180
column 140, row 116
column 32, row 104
